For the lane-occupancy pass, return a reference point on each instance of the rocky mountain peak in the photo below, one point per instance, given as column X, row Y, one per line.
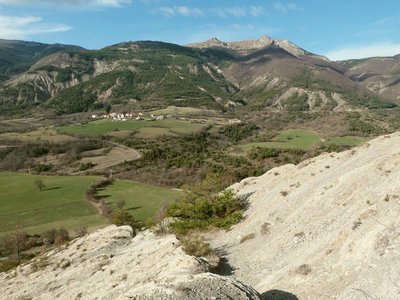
column 265, row 38
column 214, row 39
column 247, row 46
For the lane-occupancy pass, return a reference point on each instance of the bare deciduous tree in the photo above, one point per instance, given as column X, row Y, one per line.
column 15, row 243
column 120, row 204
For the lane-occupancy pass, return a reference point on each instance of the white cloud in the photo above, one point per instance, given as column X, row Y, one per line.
column 286, row 7
column 188, row 11
column 88, row 3
column 235, row 11
column 12, row 27
column 257, row 11
column 356, row 52
column 184, row 11
column 223, row 12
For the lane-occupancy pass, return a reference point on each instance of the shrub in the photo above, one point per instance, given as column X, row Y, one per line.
column 6, row 265
column 54, row 236
column 196, row 246
column 49, row 236
column 122, row 217
column 40, row 151
column 39, row 184
column 61, row 236
column 86, row 166
column 201, row 208
column 43, row 168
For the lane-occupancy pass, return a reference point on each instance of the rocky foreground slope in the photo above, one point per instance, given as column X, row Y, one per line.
column 327, row 228
column 110, row 264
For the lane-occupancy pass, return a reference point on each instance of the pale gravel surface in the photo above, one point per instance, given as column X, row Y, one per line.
column 339, row 214
column 109, row 264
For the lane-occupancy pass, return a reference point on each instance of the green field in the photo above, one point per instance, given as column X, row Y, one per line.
column 104, row 127
column 142, row 200
column 302, row 139
column 60, row 204
column 288, row 139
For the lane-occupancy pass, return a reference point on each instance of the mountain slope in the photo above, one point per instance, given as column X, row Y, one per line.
column 274, row 78
column 266, row 75
column 380, row 75
column 327, row 228
column 146, row 73
column 278, row 75
column 18, row 56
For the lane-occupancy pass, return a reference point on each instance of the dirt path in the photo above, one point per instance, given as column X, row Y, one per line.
column 117, row 155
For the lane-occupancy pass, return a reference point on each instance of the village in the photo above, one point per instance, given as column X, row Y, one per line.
column 130, row 116
column 123, row 117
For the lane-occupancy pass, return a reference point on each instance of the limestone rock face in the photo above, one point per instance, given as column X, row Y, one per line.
column 110, row 264
column 247, row 46
column 328, row 228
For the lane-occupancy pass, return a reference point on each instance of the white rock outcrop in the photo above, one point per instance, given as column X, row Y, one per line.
column 328, row 228
column 110, row 264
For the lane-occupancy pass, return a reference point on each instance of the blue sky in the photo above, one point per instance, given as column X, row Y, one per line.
column 339, row 29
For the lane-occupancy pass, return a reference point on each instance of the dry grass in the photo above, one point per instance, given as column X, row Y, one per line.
column 195, row 245
column 152, row 132
column 43, row 135
column 115, row 156
column 247, row 237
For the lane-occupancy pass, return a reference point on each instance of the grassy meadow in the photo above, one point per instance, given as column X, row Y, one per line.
column 60, row 204
column 105, row 127
column 42, row 135
column 302, row 139
column 62, row 201
column 141, row 200
column 288, row 139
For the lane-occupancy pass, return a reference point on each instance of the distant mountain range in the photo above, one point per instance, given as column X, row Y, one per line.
column 380, row 75
column 264, row 74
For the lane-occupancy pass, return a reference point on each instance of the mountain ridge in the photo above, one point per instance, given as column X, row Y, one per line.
column 246, row 47
column 147, row 74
